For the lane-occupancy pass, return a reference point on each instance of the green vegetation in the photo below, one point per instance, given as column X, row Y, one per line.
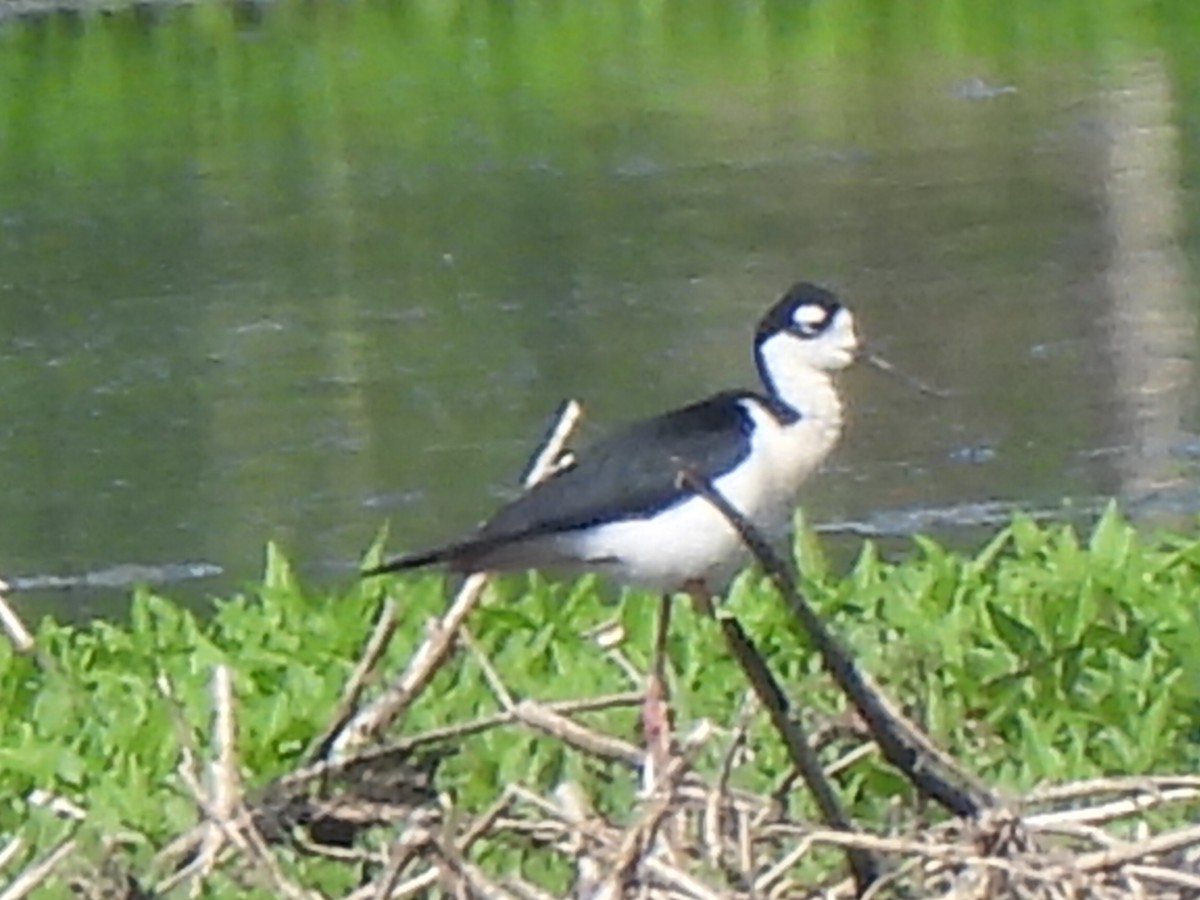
column 1040, row 659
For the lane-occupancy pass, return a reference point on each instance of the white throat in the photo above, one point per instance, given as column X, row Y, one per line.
column 802, row 387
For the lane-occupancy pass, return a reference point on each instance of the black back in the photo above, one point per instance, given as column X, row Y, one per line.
column 634, row 472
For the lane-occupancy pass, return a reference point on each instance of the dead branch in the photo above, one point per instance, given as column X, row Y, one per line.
column 902, row 743
column 385, row 709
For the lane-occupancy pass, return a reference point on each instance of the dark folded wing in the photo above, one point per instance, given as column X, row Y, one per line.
column 633, row 473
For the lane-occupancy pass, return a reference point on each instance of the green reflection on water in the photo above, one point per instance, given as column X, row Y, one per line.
column 267, row 272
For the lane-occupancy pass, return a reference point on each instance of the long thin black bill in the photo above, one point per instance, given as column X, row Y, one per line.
column 873, row 359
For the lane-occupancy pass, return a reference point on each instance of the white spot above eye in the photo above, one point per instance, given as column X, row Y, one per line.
column 564, row 461
column 809, row 316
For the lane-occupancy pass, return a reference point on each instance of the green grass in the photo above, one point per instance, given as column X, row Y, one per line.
column 1046, row 657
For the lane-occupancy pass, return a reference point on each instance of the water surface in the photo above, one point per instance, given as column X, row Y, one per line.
column 291, row 272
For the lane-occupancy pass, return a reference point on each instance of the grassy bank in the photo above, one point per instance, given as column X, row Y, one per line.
column 1046, row 658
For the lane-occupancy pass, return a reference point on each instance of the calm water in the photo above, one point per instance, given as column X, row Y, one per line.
column 294, row 273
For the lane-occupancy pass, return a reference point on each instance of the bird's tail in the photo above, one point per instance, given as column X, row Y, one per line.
column 458, row 557
column 415, row 560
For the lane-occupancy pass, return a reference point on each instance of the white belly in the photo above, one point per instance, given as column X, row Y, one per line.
column 692, row 544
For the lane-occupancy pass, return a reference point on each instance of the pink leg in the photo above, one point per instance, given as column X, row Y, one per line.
column 657, row 724
column 656, row 708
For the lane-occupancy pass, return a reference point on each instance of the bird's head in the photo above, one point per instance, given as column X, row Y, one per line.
column 808, row 328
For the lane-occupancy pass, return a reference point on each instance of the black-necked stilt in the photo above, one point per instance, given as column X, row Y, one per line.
column 618, row 507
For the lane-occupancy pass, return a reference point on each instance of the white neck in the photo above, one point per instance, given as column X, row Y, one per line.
column 793, row 445
column 801, row 387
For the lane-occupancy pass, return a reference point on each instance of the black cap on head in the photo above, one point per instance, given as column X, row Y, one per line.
column 806, row 311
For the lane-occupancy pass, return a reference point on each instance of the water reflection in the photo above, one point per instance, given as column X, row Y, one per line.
column 1153, row 324
column 289, row 276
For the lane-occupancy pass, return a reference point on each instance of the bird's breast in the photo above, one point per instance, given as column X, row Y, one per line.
column 784, row 456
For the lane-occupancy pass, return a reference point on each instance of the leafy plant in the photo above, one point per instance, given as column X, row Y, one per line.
column 1040, row 658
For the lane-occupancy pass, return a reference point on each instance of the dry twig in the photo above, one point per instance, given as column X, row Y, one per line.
column 18, row 634
column 932, row 773
column 40, row 871
column 385, row 709
column 377, row 644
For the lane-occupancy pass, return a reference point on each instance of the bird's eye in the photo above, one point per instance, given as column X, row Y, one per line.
column 811, row 318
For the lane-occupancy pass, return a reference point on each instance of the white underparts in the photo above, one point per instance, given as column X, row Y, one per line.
column 692, row 541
